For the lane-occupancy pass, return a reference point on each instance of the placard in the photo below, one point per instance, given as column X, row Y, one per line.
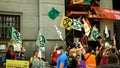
column 17, row 64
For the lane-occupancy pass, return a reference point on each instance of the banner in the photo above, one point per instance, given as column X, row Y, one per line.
column 107, row 13
column 15, row 36
column 94, row 34
column 53, row 13
column 17, row 64
column 87, row 26
column 41, row 41
column 66, row 23
column 77, row 25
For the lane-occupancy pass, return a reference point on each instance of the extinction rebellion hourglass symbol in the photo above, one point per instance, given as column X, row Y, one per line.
column 17, row 35
column 66, row 23
column 42, row 40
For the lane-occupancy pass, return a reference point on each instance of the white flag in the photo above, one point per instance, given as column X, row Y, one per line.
column 106, row 32
column 59, row 33
column 87, row 27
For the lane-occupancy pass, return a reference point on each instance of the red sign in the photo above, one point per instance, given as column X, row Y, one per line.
column 107, row 13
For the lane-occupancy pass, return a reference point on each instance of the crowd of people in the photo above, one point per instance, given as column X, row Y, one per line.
column 78, row 55
column 82, row 55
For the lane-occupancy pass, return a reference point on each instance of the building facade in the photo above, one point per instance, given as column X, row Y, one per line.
column 33, row 18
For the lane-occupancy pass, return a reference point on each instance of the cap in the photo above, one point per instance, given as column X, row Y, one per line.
column 59, row 47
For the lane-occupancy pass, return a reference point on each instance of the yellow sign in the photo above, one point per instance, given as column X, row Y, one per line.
column 17, row 64
column 66, row 23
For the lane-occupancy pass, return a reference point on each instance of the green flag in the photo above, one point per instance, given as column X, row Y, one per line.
column 77, row 25
column 41, row 41
column 94, row 34
column 53, row 13
column 15, row 36
column 87, row 1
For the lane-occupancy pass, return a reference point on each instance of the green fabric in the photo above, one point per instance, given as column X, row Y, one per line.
column 94, row 34
column 87, row 1
column 53, row 13
column 15, row 36
column 77, row 25
column 41, row 41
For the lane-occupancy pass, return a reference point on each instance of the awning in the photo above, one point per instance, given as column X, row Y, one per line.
column 76, row 13
column 107, row 13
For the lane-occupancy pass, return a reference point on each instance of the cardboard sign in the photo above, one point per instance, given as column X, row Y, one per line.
column 17, row 64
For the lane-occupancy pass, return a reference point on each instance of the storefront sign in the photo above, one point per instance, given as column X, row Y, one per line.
column 107, row 13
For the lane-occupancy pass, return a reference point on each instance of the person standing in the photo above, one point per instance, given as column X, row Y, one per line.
column 54, row 56
column 62, row 60
column 10, row 54
column 90, row 58
column 72, row 62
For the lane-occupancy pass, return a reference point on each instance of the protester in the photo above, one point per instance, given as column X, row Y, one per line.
column 113, row 57
column 72, row 62
column 54, row 56
column 62, row 60
column 35, row 60
column 20, row 55
column 90, row 59
column 10, row 54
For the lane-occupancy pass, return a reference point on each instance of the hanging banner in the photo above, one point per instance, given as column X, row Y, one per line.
column 107, row 13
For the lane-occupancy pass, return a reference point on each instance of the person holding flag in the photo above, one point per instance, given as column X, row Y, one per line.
column 41, row 42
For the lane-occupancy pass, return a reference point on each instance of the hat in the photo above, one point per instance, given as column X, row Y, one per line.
column 59, row 47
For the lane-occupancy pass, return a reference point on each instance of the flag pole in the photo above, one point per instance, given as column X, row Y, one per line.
column 61, row 39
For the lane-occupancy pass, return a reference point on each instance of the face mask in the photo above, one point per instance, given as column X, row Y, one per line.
column 74, row 54
column 58, row 51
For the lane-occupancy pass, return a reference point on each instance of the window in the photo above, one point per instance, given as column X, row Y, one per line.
column 8, row 20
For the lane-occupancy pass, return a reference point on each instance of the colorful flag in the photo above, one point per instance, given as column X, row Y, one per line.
column 53, row 13
column 15, row 36
column 77, row 1
column 59, row 33
column 87, row 26
column 77, row 25
column 87, row 1
column 66, row 23
column 106, row 32
column 94, row 34
column 41, row 41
